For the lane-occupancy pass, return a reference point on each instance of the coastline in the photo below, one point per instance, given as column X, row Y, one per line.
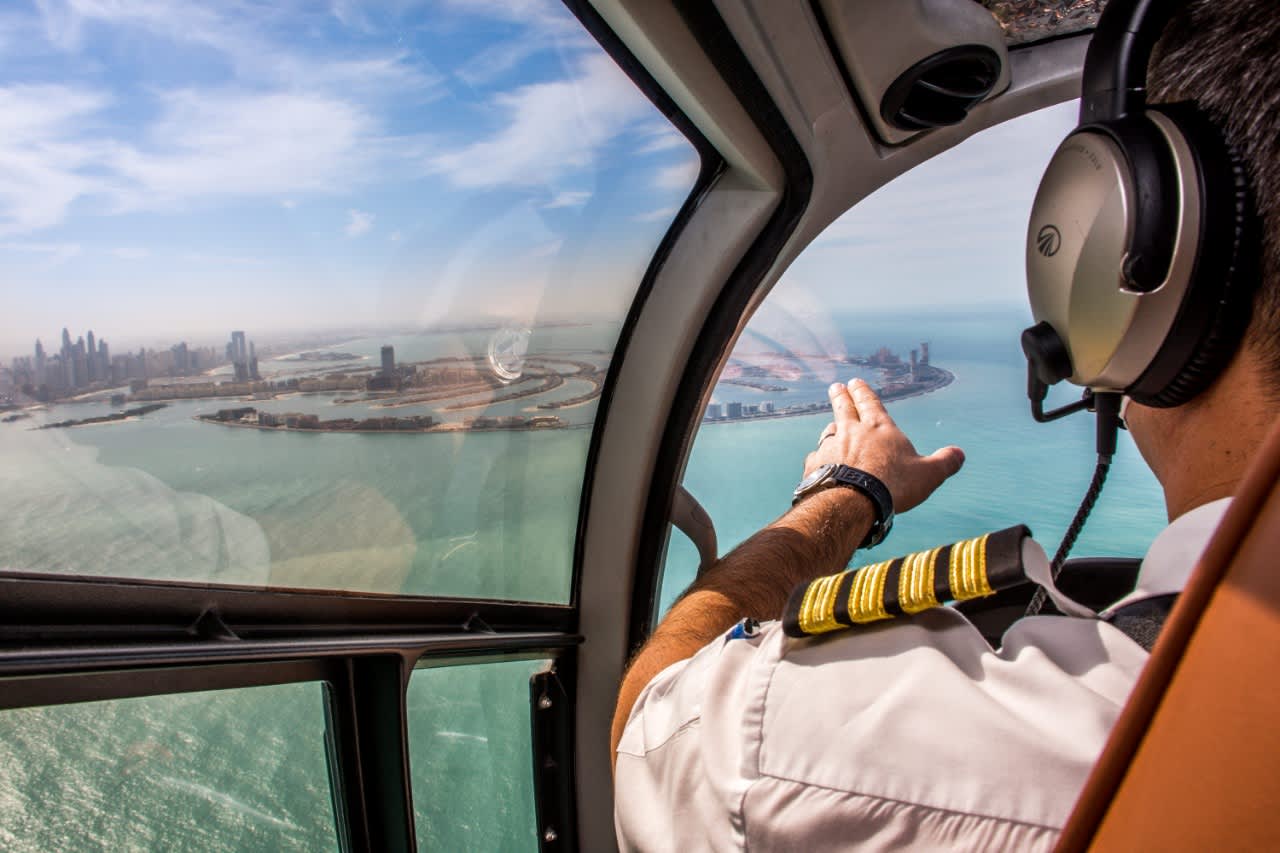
column 946, row 379
column 444, row 428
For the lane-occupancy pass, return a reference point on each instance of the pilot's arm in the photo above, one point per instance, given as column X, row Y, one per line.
column 816, row 537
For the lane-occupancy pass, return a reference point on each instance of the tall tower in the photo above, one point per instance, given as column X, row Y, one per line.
column 80, row 364
column 239, row 356
column 91, row 357
column 388, row 360
column 40, row 361
column 924, row 352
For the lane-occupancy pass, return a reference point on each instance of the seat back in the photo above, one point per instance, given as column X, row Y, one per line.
column 1192, row 762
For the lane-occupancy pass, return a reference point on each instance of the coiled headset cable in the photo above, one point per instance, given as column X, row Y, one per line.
column 1107, row 408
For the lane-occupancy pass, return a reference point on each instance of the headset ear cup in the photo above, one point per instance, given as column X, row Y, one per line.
column 1215, row 313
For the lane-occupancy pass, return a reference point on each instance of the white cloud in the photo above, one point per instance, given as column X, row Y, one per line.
column 552, row 129
column 235, row 143
column 662, row 137
column 202, row 144
column 568, row 198
column 662, row 213
column 358, row 222
column 42, row 158
column 52, row 253
column 237, row 35
column 131, row 253
column 680, row 176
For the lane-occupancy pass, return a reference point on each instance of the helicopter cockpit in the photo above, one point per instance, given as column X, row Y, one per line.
column 450, row 343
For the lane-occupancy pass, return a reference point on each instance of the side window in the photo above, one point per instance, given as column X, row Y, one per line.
column 919, row 290
column 221, row 770
column 316, row 297
column 470, row 744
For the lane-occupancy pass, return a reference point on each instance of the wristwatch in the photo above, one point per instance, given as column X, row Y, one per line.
column 832, row 474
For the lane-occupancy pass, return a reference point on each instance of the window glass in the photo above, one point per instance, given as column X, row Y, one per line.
column 471, row 755
column 314, row 295
column 930, row 268
column 228, row 770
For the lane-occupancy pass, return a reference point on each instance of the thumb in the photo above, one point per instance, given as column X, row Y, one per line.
column 945, row 462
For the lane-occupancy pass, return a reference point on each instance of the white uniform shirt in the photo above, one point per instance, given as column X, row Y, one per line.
column 912, row 733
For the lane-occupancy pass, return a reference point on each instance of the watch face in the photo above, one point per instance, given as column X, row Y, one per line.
column 819, row 474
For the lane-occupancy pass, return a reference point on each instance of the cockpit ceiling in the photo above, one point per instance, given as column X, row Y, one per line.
column 1027, row 21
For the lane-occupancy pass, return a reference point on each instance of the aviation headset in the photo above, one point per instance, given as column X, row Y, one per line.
column 1140, row 250
column 1141, row 238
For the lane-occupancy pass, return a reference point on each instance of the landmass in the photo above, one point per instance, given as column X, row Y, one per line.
column 127, row 414
column 247, row 416
column 898, row 381
column 319, row 355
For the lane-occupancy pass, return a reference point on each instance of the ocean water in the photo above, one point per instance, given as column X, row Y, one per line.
column 490, row 514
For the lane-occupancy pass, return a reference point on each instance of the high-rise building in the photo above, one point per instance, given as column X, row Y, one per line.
column 253, row 363
column 40, row 363
column 81, row 364
column 104, row 360
column 181, row 358
column 767, row 407
column 238, row 352
column 388, row 360
column 924, row 353
column 714, row 412
column 90, row 358
column 734, row 410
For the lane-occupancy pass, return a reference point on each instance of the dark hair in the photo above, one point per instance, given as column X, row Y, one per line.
column 1225, row 56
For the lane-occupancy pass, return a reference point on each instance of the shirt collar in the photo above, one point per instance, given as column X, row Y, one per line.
column 1173, row 554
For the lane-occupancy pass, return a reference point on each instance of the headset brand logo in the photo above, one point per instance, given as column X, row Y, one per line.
column 1049, row 240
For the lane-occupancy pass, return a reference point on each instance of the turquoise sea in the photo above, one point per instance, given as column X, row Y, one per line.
column 485, row 514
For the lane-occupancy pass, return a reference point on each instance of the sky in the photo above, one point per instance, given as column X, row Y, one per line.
column 173, row 169
column 946, row 236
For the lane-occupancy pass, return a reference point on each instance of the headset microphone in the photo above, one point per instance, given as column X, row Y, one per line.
column 1139, row 249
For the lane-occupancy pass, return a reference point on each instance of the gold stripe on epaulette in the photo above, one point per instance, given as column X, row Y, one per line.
column 866, row 596
column 968, row 570
column 818, row 611
column 916, row 582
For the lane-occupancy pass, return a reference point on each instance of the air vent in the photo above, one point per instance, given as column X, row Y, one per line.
column 941, row 89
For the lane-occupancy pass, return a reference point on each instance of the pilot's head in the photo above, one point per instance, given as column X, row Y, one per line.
column 1222, row 55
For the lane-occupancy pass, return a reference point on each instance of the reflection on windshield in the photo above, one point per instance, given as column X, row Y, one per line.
column 326, row 296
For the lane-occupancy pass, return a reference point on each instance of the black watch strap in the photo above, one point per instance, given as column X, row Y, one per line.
column 875, row 490
column 881, row 499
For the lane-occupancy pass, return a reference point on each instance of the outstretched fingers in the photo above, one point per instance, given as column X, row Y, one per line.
column 842, row 405
column 866, row 401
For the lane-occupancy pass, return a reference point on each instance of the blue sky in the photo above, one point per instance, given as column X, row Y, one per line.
column 174, row 169
column 177, row 169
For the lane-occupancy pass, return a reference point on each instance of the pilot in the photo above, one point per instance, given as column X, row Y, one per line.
column 826, row 730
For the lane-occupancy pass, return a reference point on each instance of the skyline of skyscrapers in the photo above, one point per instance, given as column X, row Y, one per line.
column 87, row 363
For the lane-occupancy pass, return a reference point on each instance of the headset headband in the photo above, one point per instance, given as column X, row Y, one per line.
column 1114, row 80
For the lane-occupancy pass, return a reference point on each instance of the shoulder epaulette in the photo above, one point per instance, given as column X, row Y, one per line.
column 900, row 587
